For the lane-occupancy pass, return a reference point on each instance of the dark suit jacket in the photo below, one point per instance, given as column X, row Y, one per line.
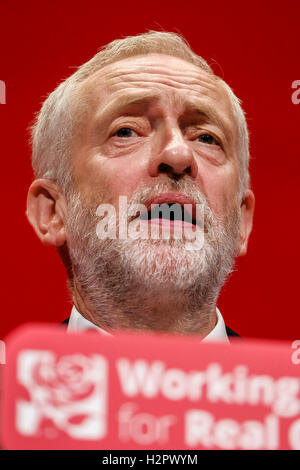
column 230, row 333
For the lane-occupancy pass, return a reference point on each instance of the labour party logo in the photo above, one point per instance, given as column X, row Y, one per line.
column 64, row 393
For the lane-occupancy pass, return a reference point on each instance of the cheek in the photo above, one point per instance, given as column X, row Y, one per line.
column 105, row 179
column 123, row 176
column 221, row 189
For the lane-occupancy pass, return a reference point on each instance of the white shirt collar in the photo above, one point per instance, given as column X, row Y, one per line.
column 218, row 333
column 79, row 323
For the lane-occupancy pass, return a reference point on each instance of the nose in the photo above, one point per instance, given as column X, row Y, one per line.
column 175, row 158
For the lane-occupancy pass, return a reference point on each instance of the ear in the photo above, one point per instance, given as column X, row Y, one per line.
column 247, row 211
column 46, row 211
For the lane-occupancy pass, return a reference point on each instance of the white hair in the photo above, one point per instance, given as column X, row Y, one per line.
column 57, row 121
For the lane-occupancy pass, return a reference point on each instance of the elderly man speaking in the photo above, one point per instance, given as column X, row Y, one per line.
column 146, row 122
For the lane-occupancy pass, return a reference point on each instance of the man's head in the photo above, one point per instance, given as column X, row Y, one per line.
column 145, row 119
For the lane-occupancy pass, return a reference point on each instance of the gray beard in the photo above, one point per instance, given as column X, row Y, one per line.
column 127, row 283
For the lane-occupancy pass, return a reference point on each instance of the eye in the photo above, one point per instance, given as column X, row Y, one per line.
column 125, row 132
column 207, row 139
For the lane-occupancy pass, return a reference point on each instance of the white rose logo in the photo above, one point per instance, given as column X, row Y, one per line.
column 69, row 390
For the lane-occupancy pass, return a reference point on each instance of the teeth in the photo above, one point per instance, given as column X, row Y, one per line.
column 169, row 211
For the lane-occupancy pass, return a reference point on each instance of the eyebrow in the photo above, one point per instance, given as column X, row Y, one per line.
column 209, row 114
column 119, row 103
column 206, row 112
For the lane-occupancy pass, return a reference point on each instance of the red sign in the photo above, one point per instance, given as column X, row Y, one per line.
column 88, row 391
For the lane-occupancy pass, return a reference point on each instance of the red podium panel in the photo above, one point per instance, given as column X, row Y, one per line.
column 131, row 391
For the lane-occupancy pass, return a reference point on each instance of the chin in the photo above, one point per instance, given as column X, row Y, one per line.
column 162, row 264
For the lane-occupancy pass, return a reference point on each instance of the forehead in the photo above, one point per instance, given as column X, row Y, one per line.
column 158, row 76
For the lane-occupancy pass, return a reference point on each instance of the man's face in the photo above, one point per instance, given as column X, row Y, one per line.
column 151, row 129
column 151, row 118
column 155, row 128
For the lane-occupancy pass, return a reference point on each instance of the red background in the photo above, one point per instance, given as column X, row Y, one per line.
column 254, row 48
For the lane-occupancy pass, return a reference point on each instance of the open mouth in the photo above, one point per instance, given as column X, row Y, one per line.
column 171, row 212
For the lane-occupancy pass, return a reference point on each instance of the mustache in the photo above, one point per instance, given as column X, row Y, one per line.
column 142, row 195
column 186, row 188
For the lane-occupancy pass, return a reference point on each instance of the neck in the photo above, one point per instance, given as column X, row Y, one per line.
column 159, row 310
